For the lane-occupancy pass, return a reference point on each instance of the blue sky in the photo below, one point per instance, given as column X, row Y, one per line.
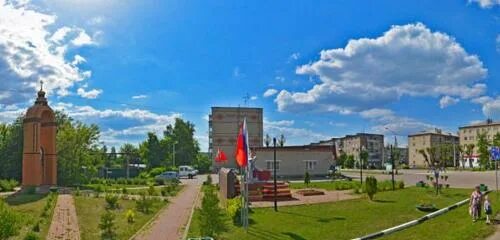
column 319, row 69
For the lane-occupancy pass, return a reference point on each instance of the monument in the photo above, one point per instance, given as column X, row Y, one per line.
column 39, row 149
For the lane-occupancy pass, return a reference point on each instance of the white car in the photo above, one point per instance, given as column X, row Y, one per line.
column 187, row 171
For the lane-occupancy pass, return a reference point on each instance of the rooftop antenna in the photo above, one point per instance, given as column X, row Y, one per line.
column 246, row 98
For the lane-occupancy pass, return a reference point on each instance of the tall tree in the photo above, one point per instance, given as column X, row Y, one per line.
column 186, row 146
column 151, row 151
column 496, row 140
column 11, row 149
column 482, row 150
column 469, row 150
column 281, row 140
column 128, row 153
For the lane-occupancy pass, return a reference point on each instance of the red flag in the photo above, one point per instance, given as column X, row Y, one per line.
column 242, row 146
column 221, row 156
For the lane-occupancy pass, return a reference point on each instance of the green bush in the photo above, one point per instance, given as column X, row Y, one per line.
column 111, row 201
column 107, row 226
column 307, row 179
column 32, row 236
column 401, row 184
column 8, row 185
column 151, row 190
column 124, row 190
column 130, row 215
column 211, row 217
column 144, row 204
column 233, row 209
column 209, row 180
column 10, row 222
column 371, row 187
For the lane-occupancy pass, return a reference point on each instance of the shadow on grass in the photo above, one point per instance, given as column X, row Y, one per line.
column 319, row 219
column 23, row 198
column 384, row 201
column 293, row 236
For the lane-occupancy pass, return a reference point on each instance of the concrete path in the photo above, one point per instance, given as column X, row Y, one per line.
column 64, row 225
column 330, row 196
column 171, row 221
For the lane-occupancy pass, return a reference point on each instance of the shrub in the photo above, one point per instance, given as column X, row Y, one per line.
column 36, row 227
column 211, row 218
column 151, row 190
column 107, row 225
column 98, row 190
column 156, row 171
column 209, row 180
column 32, row 236
column 401, row 184
column 9, row 222
column 307, row 179
column 124, row 190
column 111, row 201
column 233, row 209
column 144, row 204
column 8, row 185
column 130, row 215
column 371, row 187
column 77, row 192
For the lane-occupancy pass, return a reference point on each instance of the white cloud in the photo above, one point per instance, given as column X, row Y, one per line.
column 78, row 59
column 82, row 39
column 367, row 73
column 9, row 113
column 280, row 78
column 447, row 101
column 486, row 3
column 236, row 72
column 270, row 92
column 293, row 135
column 294, row 56
column 30, row 52
column 281, row 123
column 142, row 96
column 96, row 20
column 253, row 98
column 141, row 121
column 491, row 108
column 387, row 122
column 92, row 94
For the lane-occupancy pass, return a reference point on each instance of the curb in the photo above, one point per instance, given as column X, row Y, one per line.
column 186, row 229
column 415, row 222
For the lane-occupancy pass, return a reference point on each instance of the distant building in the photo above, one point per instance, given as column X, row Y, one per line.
column 468, row 135
column 373, row 143
column 402, row 153
column 425, row 140
column 294, row 161
column 224, row 124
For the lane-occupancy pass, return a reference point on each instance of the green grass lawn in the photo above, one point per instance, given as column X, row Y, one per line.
column 30, row 208
column 455, row 225
column 89, row 211
column 340, row 220
column 344, row 185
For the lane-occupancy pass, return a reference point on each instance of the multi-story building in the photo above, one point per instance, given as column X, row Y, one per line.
column 468, row 135
column 372, row 143
column 428, row 139
column 224, row 124
column 401, row 153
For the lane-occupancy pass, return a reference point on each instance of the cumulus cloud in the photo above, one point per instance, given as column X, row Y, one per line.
column 142, row 96
column 293, row 135
column 491, row 108
column 294, row 57
column 486, row 3
column 270, row 92
column 82, row 39
column 92, row 94
column 30, row 52
column 139, row 121
column 387, row 122
column 367, row 73
column 447, row 101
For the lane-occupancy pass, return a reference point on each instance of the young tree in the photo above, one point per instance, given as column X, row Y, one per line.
column 496, row 140
column 349, row 163
column 371, row 186
column 342, row 160
column 211, row 216
column 107, row 225
column 267, row 140
column 482, row 149
column 469, row 150
column 307, row 179
column 363, row 158
column 151, row 151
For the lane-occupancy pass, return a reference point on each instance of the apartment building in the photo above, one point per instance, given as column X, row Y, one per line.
column 468, row 135
column 224, row 124
column 402, row 153
column 428, row 139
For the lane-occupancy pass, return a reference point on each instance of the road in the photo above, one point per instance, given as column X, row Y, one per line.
column 456, row 179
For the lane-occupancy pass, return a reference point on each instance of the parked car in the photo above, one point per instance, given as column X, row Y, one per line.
column 187, row 171
column 167, row 176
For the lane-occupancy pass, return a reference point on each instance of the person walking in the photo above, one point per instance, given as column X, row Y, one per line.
column 487, row 209
column 475, row 204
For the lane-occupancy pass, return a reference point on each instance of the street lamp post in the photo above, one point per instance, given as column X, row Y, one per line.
column 361, row 149
column 392, row 157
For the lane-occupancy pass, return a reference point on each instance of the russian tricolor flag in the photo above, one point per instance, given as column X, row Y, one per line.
column 242, row 145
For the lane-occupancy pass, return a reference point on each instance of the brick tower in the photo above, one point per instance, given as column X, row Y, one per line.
column 39, row 153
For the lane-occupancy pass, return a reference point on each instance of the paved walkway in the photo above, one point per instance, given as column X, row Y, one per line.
column 64, row 224
column 171, row 221
column 330, row 196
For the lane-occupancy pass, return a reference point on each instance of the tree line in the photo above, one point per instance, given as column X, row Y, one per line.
column 80, row 154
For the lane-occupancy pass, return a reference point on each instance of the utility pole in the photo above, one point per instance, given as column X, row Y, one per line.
column 274, row 176
column 392, row 169
column 361, row 164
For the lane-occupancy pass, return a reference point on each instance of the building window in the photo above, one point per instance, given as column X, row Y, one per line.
column 269, row 165
column 310, row 164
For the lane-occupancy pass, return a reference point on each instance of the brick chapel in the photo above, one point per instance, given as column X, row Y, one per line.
column 39, row 153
